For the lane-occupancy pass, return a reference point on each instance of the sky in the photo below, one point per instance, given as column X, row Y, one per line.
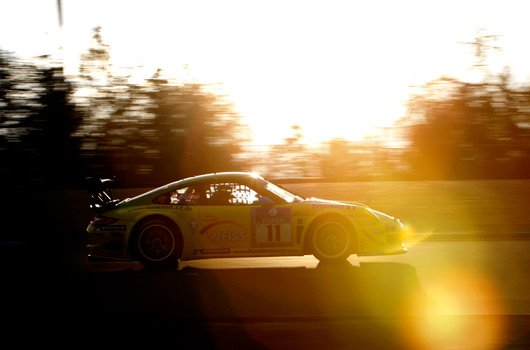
column 334, row 68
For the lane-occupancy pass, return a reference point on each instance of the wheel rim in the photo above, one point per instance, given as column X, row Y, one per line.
column 156, row 242
column 331, row 240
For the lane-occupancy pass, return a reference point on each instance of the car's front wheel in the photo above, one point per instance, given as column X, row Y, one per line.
column 157, row 243
column 331, row 241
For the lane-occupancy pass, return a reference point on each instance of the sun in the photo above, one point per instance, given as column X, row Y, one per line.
column 323, row 110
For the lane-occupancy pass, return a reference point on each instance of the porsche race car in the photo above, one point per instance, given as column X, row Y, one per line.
column 233, row 214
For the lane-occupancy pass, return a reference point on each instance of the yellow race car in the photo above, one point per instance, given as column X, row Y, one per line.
column 233, row 215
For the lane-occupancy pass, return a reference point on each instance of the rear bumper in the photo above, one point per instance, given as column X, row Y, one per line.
column 107, row 244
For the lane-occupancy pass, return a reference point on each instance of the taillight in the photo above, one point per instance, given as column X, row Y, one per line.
column 102, row 220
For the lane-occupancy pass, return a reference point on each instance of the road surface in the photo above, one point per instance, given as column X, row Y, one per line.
column 465, row 294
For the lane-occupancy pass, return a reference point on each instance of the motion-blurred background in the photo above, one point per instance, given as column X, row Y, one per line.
column 421, row 109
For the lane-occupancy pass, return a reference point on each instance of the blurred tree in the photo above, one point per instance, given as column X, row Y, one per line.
column 103, row 96
column 52, row 128
column 482, row 46
column 367, row 159
column 153, row 132
column 192, row 131
column 12, row 109
column 290, row 159
column 461, row 130
column 340, row 161
column 38, row 120
column 469, row 130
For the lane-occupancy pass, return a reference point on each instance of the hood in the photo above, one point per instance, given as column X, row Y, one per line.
column 328, row 202
column 382, row 216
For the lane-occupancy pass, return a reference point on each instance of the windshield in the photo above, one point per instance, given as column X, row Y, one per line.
column 283, row 193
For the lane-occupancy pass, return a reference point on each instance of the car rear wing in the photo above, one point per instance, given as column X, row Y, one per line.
column 100, row 194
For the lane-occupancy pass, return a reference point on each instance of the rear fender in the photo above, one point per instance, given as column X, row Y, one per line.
column 156, row 217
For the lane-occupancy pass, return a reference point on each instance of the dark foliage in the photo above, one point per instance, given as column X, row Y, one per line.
column 143, row 134
column 37, row 125
column 459, row 130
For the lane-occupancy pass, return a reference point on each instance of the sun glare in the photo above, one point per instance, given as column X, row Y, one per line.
column 327, row 69
column 337, row 70
column 465, row 313
column 324, row 110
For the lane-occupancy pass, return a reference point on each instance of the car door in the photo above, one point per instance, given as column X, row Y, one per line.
column 223, row 223
column 234, row 223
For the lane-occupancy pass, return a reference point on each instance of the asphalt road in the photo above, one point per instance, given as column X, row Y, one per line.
column 466, row 294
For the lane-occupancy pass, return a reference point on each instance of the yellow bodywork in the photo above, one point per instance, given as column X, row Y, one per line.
column 242, row 230
column 229, row 231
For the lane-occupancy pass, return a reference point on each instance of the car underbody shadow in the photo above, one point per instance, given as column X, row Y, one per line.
column 225, row 308
column 215, row 307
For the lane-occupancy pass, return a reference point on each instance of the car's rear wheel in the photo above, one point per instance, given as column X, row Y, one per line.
column 157, row 243
column 331, row 241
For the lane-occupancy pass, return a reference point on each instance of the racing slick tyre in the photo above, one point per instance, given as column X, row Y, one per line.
column 157, row 243
column 331, row 241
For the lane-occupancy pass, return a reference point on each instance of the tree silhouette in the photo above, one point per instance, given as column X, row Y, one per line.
column 38, row 120
column 153, row 132
column 460, row 130
column 479, row 129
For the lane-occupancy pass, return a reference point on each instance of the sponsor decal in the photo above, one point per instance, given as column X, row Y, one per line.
column 223, row 236
column 287, row 251
column 217, row 223
column 110, row 228
column 189, row 197
column 163, row 207
column 329, row 206
column 183, row 208
column 271, row 227
column 226, row 236
column 299, row 232
column 193, row 225
column 334, row 206
column 211, row 251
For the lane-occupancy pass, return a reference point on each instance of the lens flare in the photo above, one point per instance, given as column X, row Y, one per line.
column 466, row 313
column 412, row 236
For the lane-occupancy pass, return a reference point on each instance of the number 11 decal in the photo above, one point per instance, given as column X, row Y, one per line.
column 271, row 227
column 277, row 229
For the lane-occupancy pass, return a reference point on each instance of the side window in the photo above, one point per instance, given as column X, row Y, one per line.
column 230, row 193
